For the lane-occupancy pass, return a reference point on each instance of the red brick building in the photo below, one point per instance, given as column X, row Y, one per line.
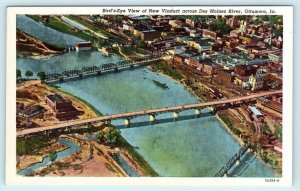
column 226, row 77
column 244, row 70
column 62, row 107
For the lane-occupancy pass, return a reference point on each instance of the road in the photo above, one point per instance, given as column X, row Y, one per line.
column 154, row 112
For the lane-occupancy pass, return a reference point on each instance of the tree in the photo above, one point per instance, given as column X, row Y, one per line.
column 28, row 74
column 53, row 156
column 19, row 74
column 220, row 26
column 278, row 32
column 42, row 76
column 100, row 136
column 113, row 136
column 266, row 128
column 278, row 131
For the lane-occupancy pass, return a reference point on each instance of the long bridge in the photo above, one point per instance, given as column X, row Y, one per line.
column 92, row 70
column 152, row 113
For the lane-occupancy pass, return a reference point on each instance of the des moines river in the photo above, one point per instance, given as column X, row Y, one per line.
column 191, row 147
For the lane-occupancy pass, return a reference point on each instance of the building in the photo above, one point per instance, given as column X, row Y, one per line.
column 243, row 26
column 257, row 81
column 63, row 108
column 244, row 70
column 210, row 34
column 178, row 58
column 275, row 57
column 211, row 68
column 226, row 77
column 33, row 112
column 258, row 118
column 149, row 35
column 83, row 46
column 199, row 61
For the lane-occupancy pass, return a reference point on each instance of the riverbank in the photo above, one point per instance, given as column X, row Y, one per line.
column 30, row 46
column 92, row 159
column 56, row 24
column 33, row 92
column 132, row 157
column 242, row 136
column 163, row 68
column 57, row 87
column 26, row 158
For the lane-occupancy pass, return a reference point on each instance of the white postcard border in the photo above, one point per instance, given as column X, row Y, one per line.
column 13, row 179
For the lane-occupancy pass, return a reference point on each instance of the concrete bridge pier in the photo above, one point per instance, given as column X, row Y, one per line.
column 127, row 121
column 108, row 122
column 175, row 115
column 225, row 175
column 151, row 118
column 237, row 162
column 197, row 112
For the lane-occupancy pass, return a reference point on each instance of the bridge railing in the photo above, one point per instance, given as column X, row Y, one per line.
column 94, row 69
column 224, row 170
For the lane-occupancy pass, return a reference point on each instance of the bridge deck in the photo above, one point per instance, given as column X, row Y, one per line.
column 143, row 112
column 85, row 71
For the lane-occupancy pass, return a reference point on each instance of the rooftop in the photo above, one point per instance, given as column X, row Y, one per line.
column 255, row 111
column 55, row 98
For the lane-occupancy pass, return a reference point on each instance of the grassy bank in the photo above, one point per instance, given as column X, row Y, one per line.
column 32, row 145
column 228, row 123
column 78, row 98
column 111, row 37
column 145, row 167
column 65, row 28
column 166, row 69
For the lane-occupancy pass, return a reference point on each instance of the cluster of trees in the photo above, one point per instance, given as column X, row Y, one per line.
column 29, row 74
column 220, row 26
column 272, row 19
column 278, row 132
column 110, row 135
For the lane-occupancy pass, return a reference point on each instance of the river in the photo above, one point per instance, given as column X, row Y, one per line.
column 72, row 148
column 191, row 147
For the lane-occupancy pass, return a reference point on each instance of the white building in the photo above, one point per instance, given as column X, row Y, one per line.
column 257, row 82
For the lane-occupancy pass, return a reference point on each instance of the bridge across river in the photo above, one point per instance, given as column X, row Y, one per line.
column 235, row 159
column 91, row 70
column 152, row 113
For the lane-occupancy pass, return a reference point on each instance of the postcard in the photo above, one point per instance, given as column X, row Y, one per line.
column 177, row 96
